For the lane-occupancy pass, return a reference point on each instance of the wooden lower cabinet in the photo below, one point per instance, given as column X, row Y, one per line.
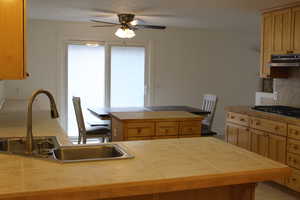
column 259, row 142
column 277, row 148
column 238, row 135
column 293, row 181
column 278, row 141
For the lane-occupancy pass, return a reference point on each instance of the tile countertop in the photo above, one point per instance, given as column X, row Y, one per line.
column 246, row 110
column 13, row 123
column 159, row 166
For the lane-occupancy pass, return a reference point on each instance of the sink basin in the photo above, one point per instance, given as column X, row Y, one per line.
column 42, row 146
column 48, row 148
column 82, row 153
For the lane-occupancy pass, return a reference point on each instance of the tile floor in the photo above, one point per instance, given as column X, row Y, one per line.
column 272, row 191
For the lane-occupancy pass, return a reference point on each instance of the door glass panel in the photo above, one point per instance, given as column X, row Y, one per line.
column 127, row 76
column 86, row 79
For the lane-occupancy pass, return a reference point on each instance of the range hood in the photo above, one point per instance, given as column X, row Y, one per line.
column 286, row 60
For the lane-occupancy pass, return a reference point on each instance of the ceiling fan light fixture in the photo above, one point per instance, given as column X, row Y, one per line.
column 125, row 33
column 134, row 22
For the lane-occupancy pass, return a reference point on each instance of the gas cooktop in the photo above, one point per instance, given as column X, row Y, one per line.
column 281, row 110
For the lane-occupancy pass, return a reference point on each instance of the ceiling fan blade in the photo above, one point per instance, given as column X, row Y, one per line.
column 104, row 22
column 156, row 15
column 104, row 11
column 150, row 27
column 112, row 25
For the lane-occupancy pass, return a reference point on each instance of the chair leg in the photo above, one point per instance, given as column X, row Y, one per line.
column 84, row 140
column 79, row 138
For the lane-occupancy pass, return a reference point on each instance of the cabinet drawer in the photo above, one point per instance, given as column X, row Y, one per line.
column 191, row 130
column 139, row 138
column 140, row 129
column 293, row 181
column 238, row 119
column 269, row 126
column 294, row 132
column 167, row 128
column 293, row 160
column 293, row 146
column 190, row 123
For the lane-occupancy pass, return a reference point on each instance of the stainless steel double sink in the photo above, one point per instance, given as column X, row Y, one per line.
column 48, row 148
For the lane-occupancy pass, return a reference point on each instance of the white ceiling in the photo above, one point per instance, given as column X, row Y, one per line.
column 240, row 15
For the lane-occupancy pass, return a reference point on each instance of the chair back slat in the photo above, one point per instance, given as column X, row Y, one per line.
column 79, row 115
column 209, row 104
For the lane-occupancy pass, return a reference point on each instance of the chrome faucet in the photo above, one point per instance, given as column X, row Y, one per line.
column 54, row 114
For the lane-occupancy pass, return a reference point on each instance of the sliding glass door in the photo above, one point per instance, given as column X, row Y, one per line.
column 104, row 76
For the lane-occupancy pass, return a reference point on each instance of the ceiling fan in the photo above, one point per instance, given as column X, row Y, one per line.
column 128, row 25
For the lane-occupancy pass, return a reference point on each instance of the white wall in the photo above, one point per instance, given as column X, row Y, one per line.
column 185, row 63
column 2, row 95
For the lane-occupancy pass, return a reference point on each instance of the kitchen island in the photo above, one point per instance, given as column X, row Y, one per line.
column 127, row 126
column 180, row 168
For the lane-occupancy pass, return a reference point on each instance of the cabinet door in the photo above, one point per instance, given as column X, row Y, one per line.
column 12, row 23
column 296, row 30
column 266, row 44
column 231, row 133
column 244, row 138
column 259, row 142
column 277, row 151
column 277, row 148
column 281, row 38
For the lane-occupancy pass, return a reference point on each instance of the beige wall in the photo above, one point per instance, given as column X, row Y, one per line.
column 2, row 96
column 185, row 63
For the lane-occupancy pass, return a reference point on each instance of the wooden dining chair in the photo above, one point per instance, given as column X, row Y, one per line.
column 89, row 131
column 209, row 104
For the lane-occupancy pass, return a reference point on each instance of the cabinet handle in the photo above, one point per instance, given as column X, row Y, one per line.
column 295, row 147
column 242, row 120
column 296, row 132
column 294, row 161
column 139, row 131
column 276, row 128
column 257, row 123
column 290, row 52
column 294, row 179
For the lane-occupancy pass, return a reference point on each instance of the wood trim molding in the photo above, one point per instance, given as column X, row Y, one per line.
column 284, row 6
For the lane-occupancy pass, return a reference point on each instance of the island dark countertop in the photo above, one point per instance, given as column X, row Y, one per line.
column 105, row 112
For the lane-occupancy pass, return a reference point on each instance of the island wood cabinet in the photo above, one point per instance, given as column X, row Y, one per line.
column 262, row 136
column 12, row 40
column 280, row 35
column 155, row 125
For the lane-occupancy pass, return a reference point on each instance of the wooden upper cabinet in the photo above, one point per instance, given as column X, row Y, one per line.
column 281, row 38
column 266, row 44
column 12, row 39
column 295, row 36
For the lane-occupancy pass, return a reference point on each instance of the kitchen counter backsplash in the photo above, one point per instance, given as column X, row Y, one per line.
column 288, row 89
